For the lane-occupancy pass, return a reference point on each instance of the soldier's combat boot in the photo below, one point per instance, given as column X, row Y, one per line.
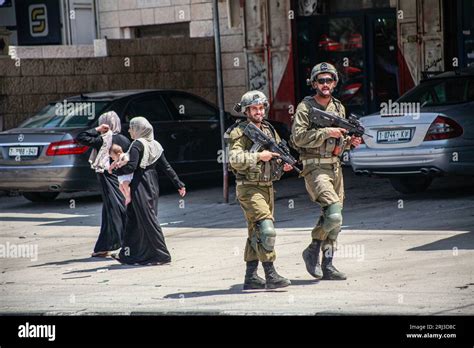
column 252, row 280
column 329, row 271
column 311, row 259
column 274, row 280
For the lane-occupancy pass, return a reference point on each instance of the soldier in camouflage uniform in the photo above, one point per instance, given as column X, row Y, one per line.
column 319, row 150
column 255, row 170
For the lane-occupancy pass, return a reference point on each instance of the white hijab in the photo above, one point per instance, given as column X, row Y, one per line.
column 100, row 160
column 142, row 131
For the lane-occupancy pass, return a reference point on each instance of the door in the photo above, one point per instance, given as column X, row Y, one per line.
column 430, row 31
column 382, row 59
column 82, row 22
column 420, row 37
column 268, row 49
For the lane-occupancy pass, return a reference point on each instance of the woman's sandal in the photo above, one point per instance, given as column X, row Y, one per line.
column 101, row 254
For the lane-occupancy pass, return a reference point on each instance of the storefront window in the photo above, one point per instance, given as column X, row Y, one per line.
column 467, row 36
column 338, row 41
column 342, row 46
column 363, row 48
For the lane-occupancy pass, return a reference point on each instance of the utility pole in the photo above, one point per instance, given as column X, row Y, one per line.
column 220, row 99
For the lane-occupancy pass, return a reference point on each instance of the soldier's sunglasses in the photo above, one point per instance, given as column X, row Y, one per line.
column 327, row 80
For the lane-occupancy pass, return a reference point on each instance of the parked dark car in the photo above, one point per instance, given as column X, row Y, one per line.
column 41, row 158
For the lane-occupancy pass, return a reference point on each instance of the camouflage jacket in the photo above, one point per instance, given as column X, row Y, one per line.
column 244, row 160
column 313, row 142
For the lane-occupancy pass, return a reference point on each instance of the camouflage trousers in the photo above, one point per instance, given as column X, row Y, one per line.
column 257, row 204
column 325, row 186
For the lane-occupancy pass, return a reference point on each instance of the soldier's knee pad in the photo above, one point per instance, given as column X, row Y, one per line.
column 332, row 235
column 266, row 234
column 332, row 217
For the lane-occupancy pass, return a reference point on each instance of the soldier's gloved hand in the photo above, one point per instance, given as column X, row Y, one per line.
column 356, row 141
column 335, row 132
column 266, row 156
column 287, row 167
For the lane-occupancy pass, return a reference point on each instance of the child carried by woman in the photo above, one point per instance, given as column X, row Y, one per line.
column 120, row 159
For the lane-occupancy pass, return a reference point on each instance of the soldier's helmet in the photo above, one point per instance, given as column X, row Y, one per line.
column 322, row 68
column 251, row 98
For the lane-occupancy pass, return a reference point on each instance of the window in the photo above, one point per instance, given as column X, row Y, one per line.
column 427, row 98
column 66, row 114
column 152, row 108
column 59, row 22
column 163, row 30
column 190, row 108
column 442, row 92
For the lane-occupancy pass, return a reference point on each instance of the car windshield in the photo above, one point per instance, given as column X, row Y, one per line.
column 442, row 92
column 66, row 115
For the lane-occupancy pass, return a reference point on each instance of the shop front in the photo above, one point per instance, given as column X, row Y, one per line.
column 361, row 43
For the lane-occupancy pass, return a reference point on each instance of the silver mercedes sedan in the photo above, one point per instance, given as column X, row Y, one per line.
column 426, row 133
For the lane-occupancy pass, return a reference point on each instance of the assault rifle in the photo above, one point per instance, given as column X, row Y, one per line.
column 320, row 118
column 261, row 140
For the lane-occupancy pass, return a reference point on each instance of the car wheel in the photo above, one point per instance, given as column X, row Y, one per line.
column 411, row 184
column 40, row 196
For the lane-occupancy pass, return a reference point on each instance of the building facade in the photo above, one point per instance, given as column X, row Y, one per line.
column 381, row 48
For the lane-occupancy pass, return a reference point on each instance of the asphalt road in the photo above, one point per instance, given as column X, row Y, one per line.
column 402, row 255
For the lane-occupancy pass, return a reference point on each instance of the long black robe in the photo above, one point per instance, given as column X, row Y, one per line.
column 143, row 240
column 113, row 208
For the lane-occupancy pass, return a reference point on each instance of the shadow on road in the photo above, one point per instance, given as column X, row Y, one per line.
column 464, row 241
column 111, row 267
column 304, row 281
column 67, row 262
column 235, row 289
column 88, row 221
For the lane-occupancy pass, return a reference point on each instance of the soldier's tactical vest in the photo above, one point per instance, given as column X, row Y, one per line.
column 327, row 148
column 259, row 171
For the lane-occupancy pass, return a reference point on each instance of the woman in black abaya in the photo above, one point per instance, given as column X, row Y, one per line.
column 143, row 240
column 113, row 208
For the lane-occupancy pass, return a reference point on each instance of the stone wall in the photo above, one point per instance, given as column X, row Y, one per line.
column 117, row 18
column 179, row 63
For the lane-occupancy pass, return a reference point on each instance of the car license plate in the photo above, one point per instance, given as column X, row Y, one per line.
column 23, row 151
column 394, row 136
